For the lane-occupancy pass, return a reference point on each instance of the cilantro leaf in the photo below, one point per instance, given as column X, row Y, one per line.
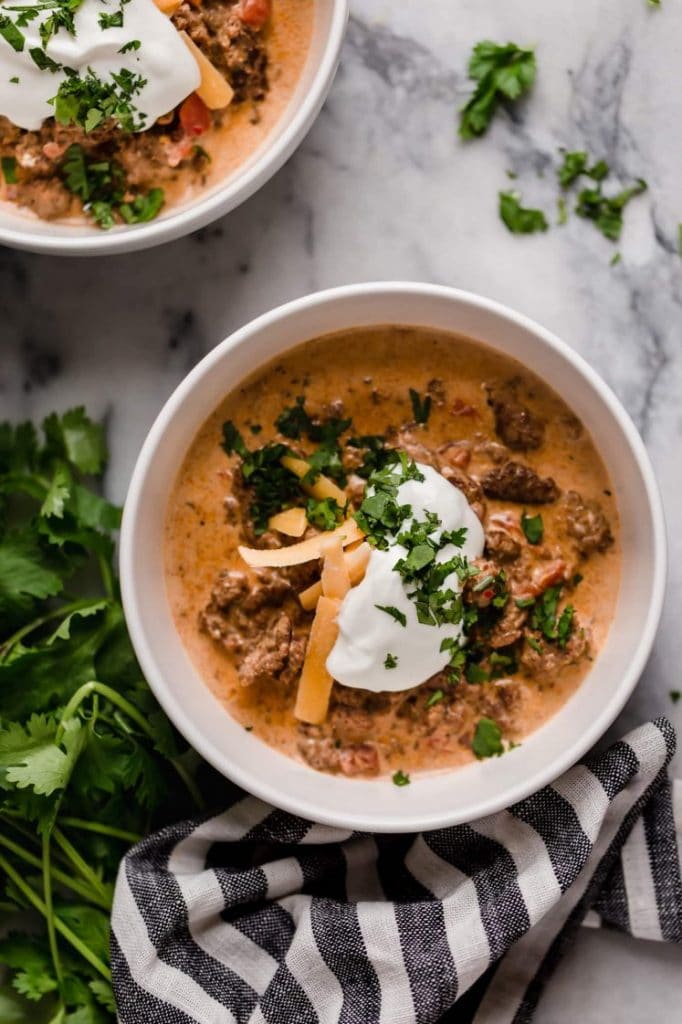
column 487, row 741
column 390, row 661
column 606, row 212
column 324, row 513
column 80, row 441
column 395, row 613
column 520, row 220
column 532, row 527
column 421, row 407
column 501, row 73
column 26, row 573
column 30, row 757
column 400, row 778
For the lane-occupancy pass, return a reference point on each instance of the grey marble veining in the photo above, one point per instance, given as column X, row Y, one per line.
column 382, row 189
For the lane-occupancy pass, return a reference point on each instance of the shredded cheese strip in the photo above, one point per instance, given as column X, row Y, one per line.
column 315, row 684
column 335, row 578
column 292, row 522
column 323, row 486
column 305, row 551
column 356, row 564
column 213, row 89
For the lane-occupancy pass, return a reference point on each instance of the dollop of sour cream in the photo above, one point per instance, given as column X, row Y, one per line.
column 367, row 634
column 161, row 59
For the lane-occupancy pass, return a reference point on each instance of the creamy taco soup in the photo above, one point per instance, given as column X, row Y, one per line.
column 392, row 550
column 113, row 109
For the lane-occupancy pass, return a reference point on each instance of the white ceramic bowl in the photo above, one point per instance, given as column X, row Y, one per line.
column 432, row 800
column 20, row 230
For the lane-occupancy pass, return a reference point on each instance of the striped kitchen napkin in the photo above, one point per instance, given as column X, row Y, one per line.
column 257, row 915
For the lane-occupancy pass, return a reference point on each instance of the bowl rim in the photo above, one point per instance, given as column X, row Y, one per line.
column 223, row 199
column 413, row 820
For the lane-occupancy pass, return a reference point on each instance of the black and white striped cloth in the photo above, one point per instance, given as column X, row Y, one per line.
column 257, row 916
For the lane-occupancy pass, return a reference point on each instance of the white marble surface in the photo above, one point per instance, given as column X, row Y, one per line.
column 382, row 189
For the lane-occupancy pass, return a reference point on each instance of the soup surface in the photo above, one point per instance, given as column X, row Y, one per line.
column 109, row 174
column 534, row 605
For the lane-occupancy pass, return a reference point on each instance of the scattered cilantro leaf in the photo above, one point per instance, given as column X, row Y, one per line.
column 325, row 513
column 519, row 219
column 395, row 613
column 675, row 695
column 532, row 527
column 606, row 212
column 400, row 778
column 390, row 661
column 421, row 407
column 9, row 169
column 502, row 73
column 435, row 698
column 487, row 741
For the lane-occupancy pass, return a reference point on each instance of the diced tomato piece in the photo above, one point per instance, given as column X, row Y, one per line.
column 255, row 13
column 195, row 117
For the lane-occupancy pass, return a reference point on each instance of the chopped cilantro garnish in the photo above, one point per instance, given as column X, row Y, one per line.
column 675, row 695
column 295, row 422
column 377, row 455
column 324, row 513
column 255, row 428
column 421, row 407
column 616, row 258
column 11, row 34
column 395, row 613
column 42, row 61
column 501, row 73
column 273, row 487
column 390, row 661
column 520, row 220
column 89, row 101
column 562, row 210
column 487, row 741
column 544, row 617
column 532, row 527
column 524, row 602
column 134, row 44
column 114, row 20
column 435, row 698
column 576, row 163
column 100, row 185
column 607, row 211
column 400, row 778
column 475, row 673
column 9, row 169
column 14, row 80
column 535, row 644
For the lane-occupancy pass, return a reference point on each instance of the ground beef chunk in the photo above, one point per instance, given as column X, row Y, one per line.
column 351, row 724
column 47, row 198
column 501, row 545
column 509, row 627
column 256, row 619
column 544, row 660
column 405, row 440
column 587, row 524
column 515, row 424
column 501, row 701
column 470, row 488
column 232, row 47
column 515, row 481
column 325, row 754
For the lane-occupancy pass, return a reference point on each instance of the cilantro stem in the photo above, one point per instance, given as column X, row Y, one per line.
column 63, row 929
column 58, row 1017
column 106, row 574
column 58, row 875
column 56, row 613
column 49, row 911
column 103, row 830
column 81, row 866
column 84, row 691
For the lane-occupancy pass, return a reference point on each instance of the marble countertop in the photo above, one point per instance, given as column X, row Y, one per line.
column 382, row 189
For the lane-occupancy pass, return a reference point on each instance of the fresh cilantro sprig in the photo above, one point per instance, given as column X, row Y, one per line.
column 88, row 762
column 502, row 73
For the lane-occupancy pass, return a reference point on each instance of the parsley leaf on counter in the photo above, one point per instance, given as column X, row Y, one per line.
column 532, row 527
column 487, row 741
column 520, row 220
column 576, row 163
column 88, row 761
column 607, row 211
column 501, row 73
